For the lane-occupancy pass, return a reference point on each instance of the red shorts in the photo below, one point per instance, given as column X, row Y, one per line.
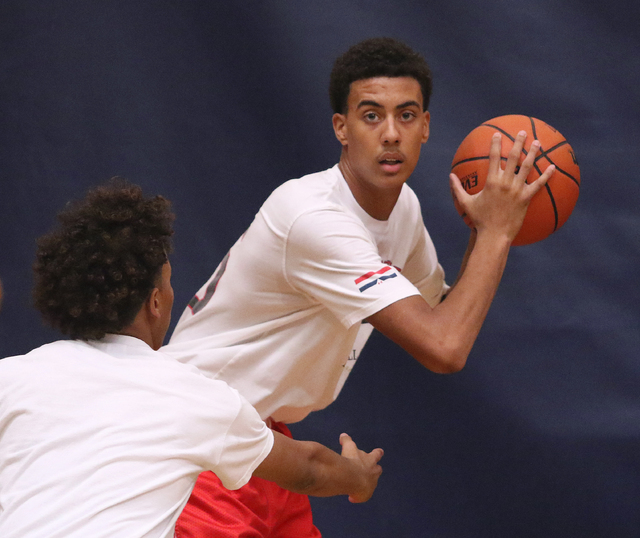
column 259, row 509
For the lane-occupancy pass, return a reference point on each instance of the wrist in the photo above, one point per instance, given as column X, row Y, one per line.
column 498, row 239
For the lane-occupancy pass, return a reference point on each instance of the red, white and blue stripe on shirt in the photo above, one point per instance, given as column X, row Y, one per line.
column 372, row 278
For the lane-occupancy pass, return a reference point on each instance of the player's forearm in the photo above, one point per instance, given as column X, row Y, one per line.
column 467, row 304
column 327, row 474
column 313, row 469
column 465, row 258
column 441, row 338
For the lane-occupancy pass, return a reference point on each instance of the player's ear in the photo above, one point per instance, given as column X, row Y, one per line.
column 340, row 128
column 425, row 131
column 153, row 303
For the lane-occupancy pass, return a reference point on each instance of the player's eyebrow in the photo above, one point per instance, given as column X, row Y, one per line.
column 406, row 104
column 368, row 103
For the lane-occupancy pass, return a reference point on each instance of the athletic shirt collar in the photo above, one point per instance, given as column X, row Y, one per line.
column 374, row 225
column 122, row 345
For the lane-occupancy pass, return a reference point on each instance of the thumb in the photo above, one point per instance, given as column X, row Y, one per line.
column 377, row 454
column 457, row 191
column 349, row 448
column 461, row 199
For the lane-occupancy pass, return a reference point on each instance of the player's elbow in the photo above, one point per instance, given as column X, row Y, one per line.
column 306, row 484
column 453, row 365
column 447, row 358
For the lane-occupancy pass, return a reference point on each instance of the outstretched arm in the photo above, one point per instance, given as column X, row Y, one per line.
column 441, row 338
column 313, row 469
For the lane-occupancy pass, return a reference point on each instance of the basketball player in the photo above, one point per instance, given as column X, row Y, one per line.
column 102, row 435
column 334, row 254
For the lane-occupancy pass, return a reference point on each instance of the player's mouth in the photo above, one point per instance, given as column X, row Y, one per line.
column 391, row 163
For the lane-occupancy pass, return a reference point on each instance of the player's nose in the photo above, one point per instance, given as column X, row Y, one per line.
column 390, row 133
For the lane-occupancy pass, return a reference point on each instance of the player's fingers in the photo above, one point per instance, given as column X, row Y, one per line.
column 514, row 155
column 534, row 187
column 528, row 161
column 495, row 152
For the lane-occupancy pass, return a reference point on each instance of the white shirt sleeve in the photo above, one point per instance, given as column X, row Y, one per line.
column 247, row 443
column 432, row 285
column 221, row 430
column 331, row 256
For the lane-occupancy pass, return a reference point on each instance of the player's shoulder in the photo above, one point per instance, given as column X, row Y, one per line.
column 311, row 190
column 59, row 347
column 40, row 358
column 312, row 194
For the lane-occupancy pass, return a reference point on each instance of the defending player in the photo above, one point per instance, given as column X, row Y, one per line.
column 102, row 435
column 332, row 255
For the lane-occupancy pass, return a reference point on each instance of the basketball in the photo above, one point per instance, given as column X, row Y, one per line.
column 553, row 204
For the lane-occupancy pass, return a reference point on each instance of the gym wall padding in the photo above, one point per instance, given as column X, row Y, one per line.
column 214, row 104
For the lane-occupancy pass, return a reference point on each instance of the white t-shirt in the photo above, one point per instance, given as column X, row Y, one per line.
column 280, row 319
column 107, row 438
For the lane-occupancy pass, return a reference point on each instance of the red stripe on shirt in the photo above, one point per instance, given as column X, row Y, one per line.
column 370, row 274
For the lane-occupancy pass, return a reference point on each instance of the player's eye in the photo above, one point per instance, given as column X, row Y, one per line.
column 407, row 115
column 371, row 116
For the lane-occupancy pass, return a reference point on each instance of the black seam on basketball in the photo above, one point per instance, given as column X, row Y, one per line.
column 501, row 130
column 559, row 145
column 558, row 169
column 470, row 159
column 537, row 168
column 533, row 128
column 567, row 174
column 553, row 203
column 509, row 136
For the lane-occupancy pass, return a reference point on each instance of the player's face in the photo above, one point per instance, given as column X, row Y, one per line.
column 382, row 132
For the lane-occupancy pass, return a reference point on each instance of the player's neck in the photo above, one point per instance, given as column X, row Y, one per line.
column 140, row 335
column 146, row 327
column 377, row 202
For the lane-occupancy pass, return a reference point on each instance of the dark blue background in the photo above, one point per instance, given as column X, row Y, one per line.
column 215, row 104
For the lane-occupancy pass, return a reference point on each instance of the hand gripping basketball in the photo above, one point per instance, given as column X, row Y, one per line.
column 502, row 203
column 550, row 208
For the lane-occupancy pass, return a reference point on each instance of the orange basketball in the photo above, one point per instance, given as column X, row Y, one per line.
column 551, row 206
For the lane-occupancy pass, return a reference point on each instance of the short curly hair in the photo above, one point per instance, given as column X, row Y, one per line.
column 95, row 271
column 377, row 57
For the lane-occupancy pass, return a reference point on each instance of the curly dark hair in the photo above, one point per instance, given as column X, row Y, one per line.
column 377, row 57
column 94, row 272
